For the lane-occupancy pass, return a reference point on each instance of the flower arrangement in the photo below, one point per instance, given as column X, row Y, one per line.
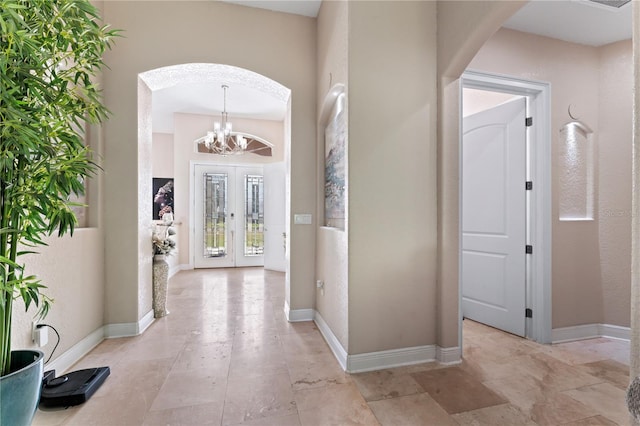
column 163, row 243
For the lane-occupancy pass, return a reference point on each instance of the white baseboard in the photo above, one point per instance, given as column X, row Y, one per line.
column 72, row 355
column 449, row 356
column 389, row 359
column 336, row 347
column 615, row 331
column 297, row 315
column 145, row 322
column 384, row 359
column 589, row 331
column 129, row 329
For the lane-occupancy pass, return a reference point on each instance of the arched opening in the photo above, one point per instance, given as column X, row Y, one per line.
column 261, row 102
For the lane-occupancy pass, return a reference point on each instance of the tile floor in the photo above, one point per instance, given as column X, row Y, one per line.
column 227, row 356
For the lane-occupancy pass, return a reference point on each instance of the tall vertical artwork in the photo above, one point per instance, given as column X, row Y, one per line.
column 335, row 140
column 162, row 197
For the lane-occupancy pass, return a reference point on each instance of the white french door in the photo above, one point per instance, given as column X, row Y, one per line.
column 275, row 237
column 228, row 216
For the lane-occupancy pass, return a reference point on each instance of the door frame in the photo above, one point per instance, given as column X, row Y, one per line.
column 192, row 200
column 538, row 265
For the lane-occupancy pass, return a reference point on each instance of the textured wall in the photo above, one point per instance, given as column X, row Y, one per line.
column 72, row 269
column 332, row 247
column 392, row 175
column 614, row 159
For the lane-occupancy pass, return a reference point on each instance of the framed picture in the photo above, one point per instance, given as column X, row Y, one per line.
column 163, row 193
column 334, row 166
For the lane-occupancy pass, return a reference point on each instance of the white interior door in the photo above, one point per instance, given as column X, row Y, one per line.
column 228, row 216
column 494, row 216
column 274, row 217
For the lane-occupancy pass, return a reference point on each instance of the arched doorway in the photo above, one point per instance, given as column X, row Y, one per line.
column 194, row 78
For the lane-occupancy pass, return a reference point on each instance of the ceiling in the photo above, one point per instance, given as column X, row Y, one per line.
column 577, row 21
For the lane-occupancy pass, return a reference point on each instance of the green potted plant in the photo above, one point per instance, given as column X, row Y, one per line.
column 50, row 53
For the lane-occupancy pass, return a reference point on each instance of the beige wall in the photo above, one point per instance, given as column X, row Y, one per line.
column 278, row 46
column 464, row 26
column 474, row 100
column 162, row 155
column 615, row 153
column 332, row 250
column 392, row 175
column 72, row 268
column 587, row 261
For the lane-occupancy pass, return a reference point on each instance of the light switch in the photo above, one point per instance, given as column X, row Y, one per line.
column 302, row 219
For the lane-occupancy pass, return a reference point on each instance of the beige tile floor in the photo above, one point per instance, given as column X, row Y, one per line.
column 225, row 355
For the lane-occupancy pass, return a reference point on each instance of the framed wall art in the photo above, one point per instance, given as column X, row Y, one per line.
column 163, row 195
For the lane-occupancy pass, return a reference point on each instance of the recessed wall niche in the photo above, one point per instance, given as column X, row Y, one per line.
column 576, row 172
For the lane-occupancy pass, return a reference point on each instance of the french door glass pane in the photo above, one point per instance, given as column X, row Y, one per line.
column 215, row 214
column 254, row 215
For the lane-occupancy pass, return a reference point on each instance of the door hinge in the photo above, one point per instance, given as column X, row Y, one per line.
column 528, row 313
column 528, row 185
column 528, row 122
column 528, row 249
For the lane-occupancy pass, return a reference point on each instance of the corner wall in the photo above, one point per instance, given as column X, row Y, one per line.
column 615, row 214
column 392, row 175
column 463, row 27
column 332, row 249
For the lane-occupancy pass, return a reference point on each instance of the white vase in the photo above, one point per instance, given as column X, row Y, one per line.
column 160, row 284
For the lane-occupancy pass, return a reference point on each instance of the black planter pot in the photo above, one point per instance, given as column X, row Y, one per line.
column 20, row 389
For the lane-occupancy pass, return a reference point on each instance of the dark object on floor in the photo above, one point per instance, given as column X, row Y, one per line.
column 73, row 388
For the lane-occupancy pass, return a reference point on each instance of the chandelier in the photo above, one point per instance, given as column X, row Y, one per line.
column 223, row 141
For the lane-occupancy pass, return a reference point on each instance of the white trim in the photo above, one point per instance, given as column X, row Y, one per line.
column 389, row 359
column 375, row 360
column 539, row 266
column 615, row 331
column 129, row 329
column 449, row 356
column 298, row 315
column 384, row 359
column 145, row 322
column 336, row 347
column 590, row 331
column 72, row 355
